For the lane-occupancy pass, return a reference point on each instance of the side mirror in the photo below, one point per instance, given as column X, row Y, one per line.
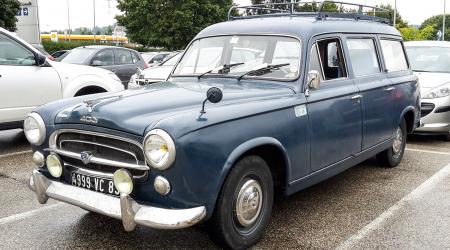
column 40, row 59
column 313, row 79
column 214, row 95
column 96, row 63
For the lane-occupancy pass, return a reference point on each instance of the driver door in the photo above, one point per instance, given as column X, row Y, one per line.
column 23, row 84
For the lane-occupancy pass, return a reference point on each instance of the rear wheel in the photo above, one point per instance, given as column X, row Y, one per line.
column 392, row 156
column 244, row 205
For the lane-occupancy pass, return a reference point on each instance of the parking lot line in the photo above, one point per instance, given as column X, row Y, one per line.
column 15, row 153
column 417, row 193
column 27, row 214
column 428, row 151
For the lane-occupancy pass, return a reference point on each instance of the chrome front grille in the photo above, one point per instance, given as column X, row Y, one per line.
column 107, row 153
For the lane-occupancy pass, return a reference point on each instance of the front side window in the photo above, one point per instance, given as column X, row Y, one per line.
column 12, row 53
column 122, row 56
column 429, row 59
column 249, row 52
column 327, row 58
column 394, row 56
column 104, row 58
column 363, row 56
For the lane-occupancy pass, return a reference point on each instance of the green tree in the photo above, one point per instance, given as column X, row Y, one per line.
column 8, row 11
column 399, row 22
column 436, row 23
column 169, row 23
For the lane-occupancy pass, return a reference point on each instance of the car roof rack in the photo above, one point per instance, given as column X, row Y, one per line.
column 318, row 9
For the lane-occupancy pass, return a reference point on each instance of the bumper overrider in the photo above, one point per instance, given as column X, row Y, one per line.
column 124, row 207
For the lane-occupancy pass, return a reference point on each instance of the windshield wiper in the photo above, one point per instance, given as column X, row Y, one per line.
column 264, row 70
column 224, row 70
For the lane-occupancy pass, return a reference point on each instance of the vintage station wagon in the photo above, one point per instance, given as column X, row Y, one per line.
column 261, row 105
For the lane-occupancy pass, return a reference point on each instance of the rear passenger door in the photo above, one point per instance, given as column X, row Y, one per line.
column 376, row 90
column 404, row 83
column 334, row 110
column 124, row 65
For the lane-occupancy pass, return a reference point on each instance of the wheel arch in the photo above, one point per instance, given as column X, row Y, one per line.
column 409, row 115
column 269, row 149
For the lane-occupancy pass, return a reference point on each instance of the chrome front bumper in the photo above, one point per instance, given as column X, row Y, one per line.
column 124, row 208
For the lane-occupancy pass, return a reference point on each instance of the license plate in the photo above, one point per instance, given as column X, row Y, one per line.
column 97, row 184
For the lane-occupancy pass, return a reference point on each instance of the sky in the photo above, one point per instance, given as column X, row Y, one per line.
column 53, row 13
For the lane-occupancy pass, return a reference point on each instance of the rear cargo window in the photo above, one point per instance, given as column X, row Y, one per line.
column 394, row 55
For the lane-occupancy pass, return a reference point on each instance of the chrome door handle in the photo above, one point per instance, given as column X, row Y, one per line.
column 389, row 89
column 356, row 97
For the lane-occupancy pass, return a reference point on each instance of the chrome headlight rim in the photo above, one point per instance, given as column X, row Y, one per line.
column 170, row 148
column 41, row 127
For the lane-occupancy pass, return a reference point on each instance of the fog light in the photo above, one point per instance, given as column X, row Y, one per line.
column 54, row 165
column 38, row 159
column 123, row 181
column 162, row 185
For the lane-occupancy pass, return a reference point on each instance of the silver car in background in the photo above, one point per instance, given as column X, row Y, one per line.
column 430, row 61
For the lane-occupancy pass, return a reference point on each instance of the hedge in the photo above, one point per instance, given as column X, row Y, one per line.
column 52, row 47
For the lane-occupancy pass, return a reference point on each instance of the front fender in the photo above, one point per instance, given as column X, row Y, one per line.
column 243, row 148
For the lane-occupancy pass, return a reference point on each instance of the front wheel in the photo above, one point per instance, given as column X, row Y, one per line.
column 244, row 205
column 392, row 156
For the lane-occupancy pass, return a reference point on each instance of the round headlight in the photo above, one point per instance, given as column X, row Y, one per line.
column 54, row 165
column 123, row 181
column 159, row 149
column 34, row 129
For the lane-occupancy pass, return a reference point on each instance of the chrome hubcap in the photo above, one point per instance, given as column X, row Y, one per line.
column 248, row 203
column 398, row 141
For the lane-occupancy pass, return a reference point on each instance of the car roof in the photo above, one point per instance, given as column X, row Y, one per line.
column 104, row 47
column 428, row 44
column 296, row 26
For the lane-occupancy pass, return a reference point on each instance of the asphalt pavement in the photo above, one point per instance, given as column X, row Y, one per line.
column 366, row 207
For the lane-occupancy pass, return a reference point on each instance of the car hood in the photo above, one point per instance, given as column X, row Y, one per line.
column 429, row 80
column 133, row 111
column 157, row 73
column 69, row 71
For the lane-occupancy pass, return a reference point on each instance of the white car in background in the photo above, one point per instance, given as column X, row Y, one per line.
column 28, row 80
column 430, row 61
column 158, row 73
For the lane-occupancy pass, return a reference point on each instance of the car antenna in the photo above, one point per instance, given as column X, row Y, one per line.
column 213, row 95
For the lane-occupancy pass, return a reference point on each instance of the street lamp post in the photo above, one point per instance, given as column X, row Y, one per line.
column 68, row 19
column 443, row 23
column 93, row 30
column 395, row 12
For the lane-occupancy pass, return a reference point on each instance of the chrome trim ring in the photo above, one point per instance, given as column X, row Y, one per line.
column 398, row 141
column 249, row 203
column 170, row 147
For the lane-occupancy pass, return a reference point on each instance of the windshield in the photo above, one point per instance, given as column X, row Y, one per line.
column 77, row 56
column 429, row 59
column 254, row 52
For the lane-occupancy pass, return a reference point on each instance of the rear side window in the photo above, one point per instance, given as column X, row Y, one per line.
column 394, row 55
column 135, row 57
column 104, row 58
column 122, row 56
column 363, row 56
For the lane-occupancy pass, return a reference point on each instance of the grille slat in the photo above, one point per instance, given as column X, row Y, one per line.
column 112, row 152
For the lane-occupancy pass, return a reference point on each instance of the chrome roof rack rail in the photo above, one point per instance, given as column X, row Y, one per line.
column 316, row 9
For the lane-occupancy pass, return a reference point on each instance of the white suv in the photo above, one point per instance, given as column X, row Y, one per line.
column 28, row 80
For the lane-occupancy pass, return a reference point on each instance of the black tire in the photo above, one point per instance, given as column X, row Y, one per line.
column 446, row 137
column 391, row 157
column 224, row 226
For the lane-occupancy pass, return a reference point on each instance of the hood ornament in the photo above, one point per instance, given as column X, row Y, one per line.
column 91, row 103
